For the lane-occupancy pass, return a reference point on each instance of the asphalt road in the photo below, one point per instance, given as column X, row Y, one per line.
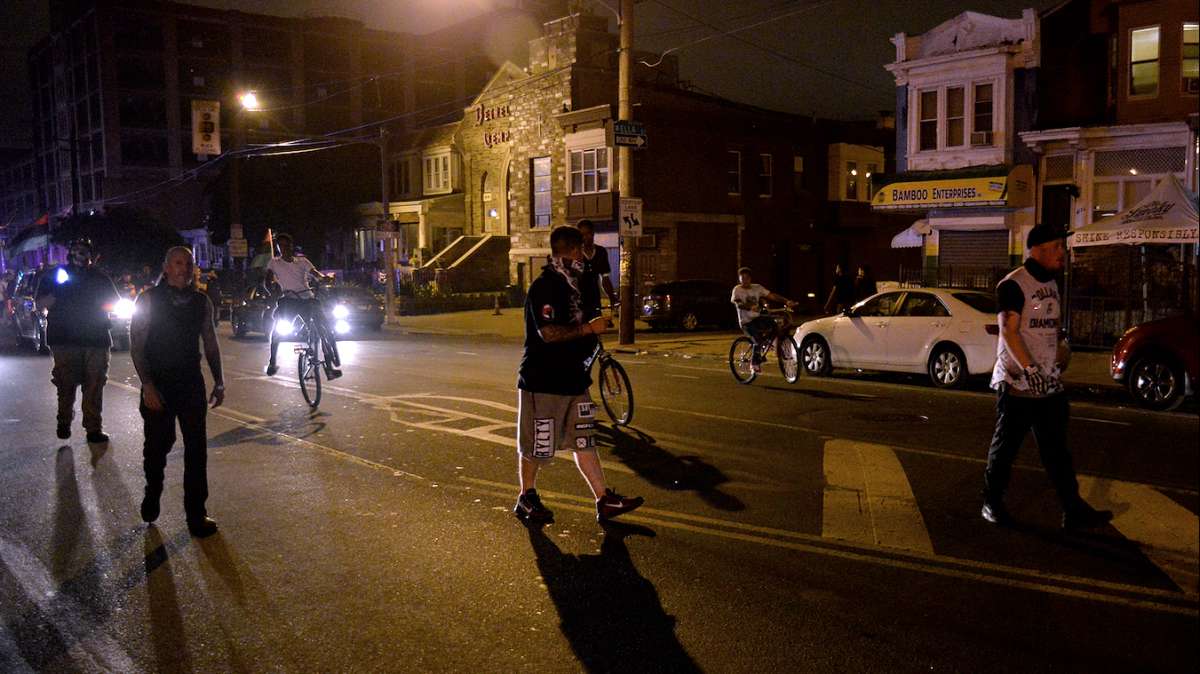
column 829, row 525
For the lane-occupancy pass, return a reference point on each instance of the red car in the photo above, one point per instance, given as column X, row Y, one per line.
column 1159, row 361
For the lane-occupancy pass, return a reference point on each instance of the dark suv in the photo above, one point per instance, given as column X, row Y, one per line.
column 1159, row 361
column 689, row 304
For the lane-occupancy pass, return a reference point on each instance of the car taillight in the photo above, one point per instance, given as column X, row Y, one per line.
column 992, row 329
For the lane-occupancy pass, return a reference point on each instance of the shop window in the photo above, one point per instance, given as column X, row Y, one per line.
column 955, row 120
column 1191, row 58
column 852, row 181
column 982, row 113
column 589, row 170
column 733, row 172
column 765, row 171
column 1143, row 61
column 928, row 120
column 540, row 188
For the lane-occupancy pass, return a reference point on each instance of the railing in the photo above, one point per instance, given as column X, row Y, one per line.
column 974, row 277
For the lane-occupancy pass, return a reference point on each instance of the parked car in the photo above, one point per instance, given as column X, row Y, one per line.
column 689, row 304
column 946, row 333
column 1159, row 361
column 28, row 322
column 348, row 309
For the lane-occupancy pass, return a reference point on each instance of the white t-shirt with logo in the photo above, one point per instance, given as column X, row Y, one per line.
column 292, row 275
column 748, row 301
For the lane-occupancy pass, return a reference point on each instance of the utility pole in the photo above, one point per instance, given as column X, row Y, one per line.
column 389, row 256
column 625, row 166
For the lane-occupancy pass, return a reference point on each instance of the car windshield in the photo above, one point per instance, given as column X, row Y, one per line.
column 981, row 302
column 352, row 294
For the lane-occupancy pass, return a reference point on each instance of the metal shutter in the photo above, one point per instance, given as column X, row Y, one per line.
column 975, row 249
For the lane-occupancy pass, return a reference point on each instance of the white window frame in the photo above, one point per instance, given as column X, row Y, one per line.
column 1183, row 56
column 596, row 172
column 766, row 171
column 1158, row 62
column 943, row 110
column 937, row 118
column 533, row 191
column 437, row 172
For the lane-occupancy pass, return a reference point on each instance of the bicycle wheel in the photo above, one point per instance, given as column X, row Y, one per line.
column 741, row 360
column 789, row 364
column 329, row 348
column 615, row 392
column 309, row 370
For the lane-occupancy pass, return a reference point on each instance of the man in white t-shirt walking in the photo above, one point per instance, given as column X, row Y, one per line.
column 292, row 273
column 748, row 297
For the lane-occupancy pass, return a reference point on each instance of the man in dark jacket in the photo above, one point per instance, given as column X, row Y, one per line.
column 78, row 298
column 171, row 321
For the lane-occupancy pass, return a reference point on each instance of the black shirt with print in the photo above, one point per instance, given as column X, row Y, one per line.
column 561, row 368
column 83, row 296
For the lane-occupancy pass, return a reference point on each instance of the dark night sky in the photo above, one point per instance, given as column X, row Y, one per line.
column 846, row 38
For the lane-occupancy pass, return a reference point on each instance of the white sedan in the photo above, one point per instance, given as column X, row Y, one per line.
column 946, row 333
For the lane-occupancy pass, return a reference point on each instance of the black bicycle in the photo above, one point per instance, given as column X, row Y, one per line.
column 616, row 394
column 315, row 342
column 745, row 358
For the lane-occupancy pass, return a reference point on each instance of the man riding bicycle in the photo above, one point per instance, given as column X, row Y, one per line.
column 292, row 275
column 748, row 297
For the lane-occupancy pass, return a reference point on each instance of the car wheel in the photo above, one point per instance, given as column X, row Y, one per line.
column 814, row 356
column 1156, row 383
column 689, row 321
column 948, row 367
column 239, row 327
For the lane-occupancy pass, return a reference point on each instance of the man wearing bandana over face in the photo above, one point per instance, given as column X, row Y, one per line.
column 555, row 412
column 77, row 298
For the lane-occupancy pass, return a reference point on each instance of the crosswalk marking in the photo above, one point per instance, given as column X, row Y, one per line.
column 868, row 499
column 1168, row 532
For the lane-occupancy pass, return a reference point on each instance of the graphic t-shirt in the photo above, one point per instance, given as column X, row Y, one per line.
column 748, row 300
column 562, row 368
column 292, row 275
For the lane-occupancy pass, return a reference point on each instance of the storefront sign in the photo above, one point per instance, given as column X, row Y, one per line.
column 206, row 127
column 1010, row 191
column 486, row 114
column 494, row 138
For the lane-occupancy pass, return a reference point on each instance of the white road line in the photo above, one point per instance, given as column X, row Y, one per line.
column 466, row 353
column 89, row 647
column 722, row 417
column 682, row 376
column 868, row 498
column 1104, row 421
column 1168, row 532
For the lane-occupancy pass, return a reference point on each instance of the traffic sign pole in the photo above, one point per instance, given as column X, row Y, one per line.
column 625, row 163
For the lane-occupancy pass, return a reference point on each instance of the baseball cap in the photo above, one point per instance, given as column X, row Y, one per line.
column 1043, row 233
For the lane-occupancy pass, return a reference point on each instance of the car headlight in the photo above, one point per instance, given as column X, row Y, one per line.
column 284, row 327
column 341, row 327
column 340, row 311
column 124, row 309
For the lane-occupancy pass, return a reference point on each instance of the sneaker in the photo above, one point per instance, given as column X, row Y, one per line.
column 271, row 370
column 149, row 508
column 612, row 504
column 996, row 513
column 63, row 432
column 202, row 528
column 530, row 509
column 332, row 373
column 97, row 437
column 1086, row 517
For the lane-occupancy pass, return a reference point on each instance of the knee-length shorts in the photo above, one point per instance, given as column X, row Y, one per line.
column 548, row 423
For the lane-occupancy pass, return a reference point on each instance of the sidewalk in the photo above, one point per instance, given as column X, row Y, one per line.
column 1089, row 369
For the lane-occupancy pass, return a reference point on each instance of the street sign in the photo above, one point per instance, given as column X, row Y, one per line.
column 238, row 248
column 206, row 127
column 629, row 133
column 631, row 216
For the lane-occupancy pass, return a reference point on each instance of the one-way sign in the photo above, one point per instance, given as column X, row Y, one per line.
column 629, row 133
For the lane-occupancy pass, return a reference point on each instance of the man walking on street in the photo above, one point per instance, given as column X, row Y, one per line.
column 77, row 298
column 555, row 411
column 171, row 321
column 596, row 272
column 1031, row 355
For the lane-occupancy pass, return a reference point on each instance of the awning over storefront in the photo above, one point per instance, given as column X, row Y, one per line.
column 1167, row 215
column 32, row 243
column 913, row 237
column 987, row 187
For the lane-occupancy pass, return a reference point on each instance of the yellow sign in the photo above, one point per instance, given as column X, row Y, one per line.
column 206, row 127
column 1009, row 191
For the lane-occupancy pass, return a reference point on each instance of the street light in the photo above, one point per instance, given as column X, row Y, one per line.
column 250, row 101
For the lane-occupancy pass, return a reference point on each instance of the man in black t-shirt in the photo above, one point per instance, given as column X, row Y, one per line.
column 596, row 271
column 77, row 298
column 555, row 411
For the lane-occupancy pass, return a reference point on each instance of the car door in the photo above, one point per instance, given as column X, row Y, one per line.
column 860, row 339
column 921, row 319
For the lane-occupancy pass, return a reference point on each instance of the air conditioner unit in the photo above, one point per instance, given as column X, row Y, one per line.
column 647, row 241
column 979, row 138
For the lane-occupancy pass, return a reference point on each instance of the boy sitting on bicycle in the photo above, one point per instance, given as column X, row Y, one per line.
column 748, row 297
column 292, row 274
